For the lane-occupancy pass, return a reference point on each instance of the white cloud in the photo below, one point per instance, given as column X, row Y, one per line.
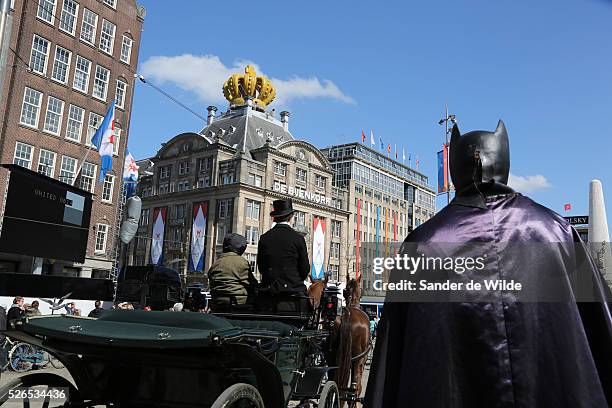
column 528, row 184
column 204, row 75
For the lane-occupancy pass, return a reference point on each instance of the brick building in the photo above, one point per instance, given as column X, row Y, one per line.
column 68, row 60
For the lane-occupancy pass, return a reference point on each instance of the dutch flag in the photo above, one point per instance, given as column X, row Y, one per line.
column 104, row 140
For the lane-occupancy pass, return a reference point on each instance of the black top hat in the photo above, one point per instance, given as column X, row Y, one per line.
column 282, row 208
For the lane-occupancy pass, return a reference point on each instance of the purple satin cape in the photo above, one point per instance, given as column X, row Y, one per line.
column 498, row 354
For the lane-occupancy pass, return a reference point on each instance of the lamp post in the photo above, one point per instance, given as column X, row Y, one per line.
column 447, row 131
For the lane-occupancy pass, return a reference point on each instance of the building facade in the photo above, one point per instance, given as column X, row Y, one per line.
column 70, row 60
column 387, row 200
column 232, row 171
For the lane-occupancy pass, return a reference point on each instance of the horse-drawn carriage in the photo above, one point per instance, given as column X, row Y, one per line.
column 164, row 359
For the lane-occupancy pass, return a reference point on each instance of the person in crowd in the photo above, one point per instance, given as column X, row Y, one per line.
column 230, row 277
column 282, row 257
column 16, row 310
column 71, row 309
column 97, row 311
column 178, row 307
column 147, row 308
column 33, row 309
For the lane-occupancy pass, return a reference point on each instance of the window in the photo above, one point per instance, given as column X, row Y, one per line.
column 46, row 163
column 126, row 49
column 300, row 175
column 163, row 188
column 334, row 250
column 221, row 228
column 252, row 235
column 204, row 182
column 183, row 168
column 107, row 188
column 255, row 180
column 320, row 181
column 39, row 55
column 182, row 185
column 76, row 116
column 92, row 125
column 224, row 208
column 100, row 88
column 252, row 209
column 61, row 65
column 23, row 155
column 120, row 94
column 81, row 74
column 30, row 110
column 144, row 216
column 299, row 219
column 68, row 169
column 336, row 228
column 180, row 211
column 110, row 3
column 334, row 271
column 88, row 177
column 205, row 164
column 116, row 140
column 101, row 235
column 46, row 10
column 280, row 168
column 252, row 259
column 107, row 36
column 88, row 26
column 53, row 118
column 70, row 11
column 164, row 172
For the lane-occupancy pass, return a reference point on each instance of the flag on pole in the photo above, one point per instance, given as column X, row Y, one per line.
column 396, row 151
column 443, row 169
column 363, row 137
column 417, row 162
column 372, row 142
column 567, row 207
column 130, row 174
column 403, row 156
column 382, row 145
column 388, row 150
column 104, row 140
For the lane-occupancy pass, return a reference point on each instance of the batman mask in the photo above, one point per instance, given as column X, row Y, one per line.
column 480, row 161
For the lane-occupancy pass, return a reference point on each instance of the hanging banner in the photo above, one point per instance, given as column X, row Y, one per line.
column 157, row 240
column 443, row 170
column 318, row 249
column 377, row 228
column 198, row 236
column 358, row 238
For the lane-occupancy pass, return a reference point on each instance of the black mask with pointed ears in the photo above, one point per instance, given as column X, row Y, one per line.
column 479, row 157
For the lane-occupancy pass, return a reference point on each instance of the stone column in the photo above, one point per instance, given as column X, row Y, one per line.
column 599, row 237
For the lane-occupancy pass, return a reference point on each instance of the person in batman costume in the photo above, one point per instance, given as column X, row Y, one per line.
column 501, row 352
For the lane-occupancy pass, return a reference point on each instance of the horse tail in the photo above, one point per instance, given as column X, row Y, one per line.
column 344, row 356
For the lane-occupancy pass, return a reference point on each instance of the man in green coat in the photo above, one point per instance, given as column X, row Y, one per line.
column 230, row 276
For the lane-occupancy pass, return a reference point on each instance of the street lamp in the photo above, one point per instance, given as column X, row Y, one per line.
column 453, row 119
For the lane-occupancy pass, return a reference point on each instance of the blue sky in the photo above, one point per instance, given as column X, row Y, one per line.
column 543, row 67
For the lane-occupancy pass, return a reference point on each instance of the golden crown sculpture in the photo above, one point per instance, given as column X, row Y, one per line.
column 240, row 87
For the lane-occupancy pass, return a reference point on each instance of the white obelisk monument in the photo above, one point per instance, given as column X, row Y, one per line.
column 599, row 237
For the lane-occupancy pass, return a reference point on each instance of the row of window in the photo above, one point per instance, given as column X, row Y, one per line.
column 68, row 20
column 68, row 169
column 60, row 71
column 280, row 169
column 54, row 115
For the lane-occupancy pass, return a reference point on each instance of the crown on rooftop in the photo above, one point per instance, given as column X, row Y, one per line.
column 240, row 87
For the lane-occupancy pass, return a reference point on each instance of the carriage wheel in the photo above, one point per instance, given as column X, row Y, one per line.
column 330, row 397
column 239, row 396
column 20, row 356
column 43, row 382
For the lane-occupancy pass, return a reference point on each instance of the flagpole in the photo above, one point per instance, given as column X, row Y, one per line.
column 81, row 165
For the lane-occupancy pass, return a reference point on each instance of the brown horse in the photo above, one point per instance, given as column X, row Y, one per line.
column 351, row 337
column 315, row 292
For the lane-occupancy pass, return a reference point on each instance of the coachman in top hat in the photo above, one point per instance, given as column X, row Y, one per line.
column 282, row 257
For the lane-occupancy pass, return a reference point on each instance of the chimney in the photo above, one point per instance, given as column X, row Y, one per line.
column 211, row 114
column 285, row 120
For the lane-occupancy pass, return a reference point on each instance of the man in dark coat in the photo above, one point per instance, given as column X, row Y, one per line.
column 97, row 311
column 17, row 310
column 230, row 276
column 499, row 348
column 282, row 256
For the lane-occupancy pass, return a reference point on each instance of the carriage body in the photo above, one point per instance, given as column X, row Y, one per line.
column 163, row 359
